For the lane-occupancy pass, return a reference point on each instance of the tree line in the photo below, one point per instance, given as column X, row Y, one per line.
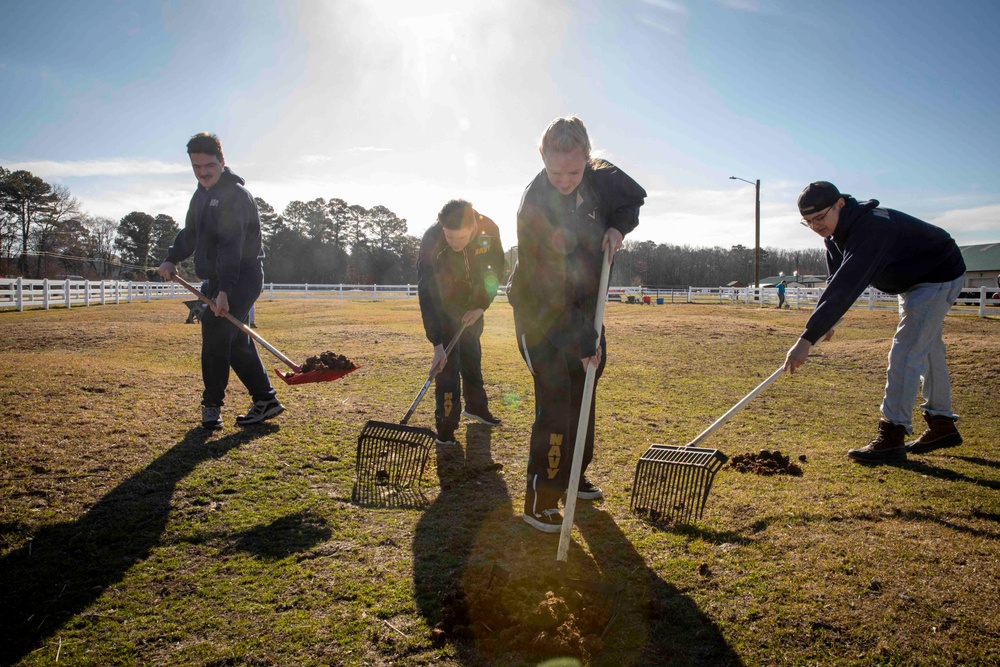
column 45, row 234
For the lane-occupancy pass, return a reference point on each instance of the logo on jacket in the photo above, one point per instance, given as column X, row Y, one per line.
column 214, row 202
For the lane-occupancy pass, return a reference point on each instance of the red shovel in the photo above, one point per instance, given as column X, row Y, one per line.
column 296, row 376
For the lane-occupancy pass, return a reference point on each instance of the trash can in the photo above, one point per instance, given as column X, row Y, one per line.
column 631, row 298
column 646, row 300
column 659, row 301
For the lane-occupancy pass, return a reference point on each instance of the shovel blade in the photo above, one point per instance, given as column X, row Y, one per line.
column 324, row 375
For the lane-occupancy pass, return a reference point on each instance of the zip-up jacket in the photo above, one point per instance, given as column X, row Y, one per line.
column 450, row 283
column 884, row 248
column 222, row 230
column 554, row 287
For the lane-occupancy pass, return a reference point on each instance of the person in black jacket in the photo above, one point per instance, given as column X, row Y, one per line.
column 458, row 274
column 867, row 244
column 572, row 210
column 222, row 231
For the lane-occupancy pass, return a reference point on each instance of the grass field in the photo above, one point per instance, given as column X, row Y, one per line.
column 129, row 537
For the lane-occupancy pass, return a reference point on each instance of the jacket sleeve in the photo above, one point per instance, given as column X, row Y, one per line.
column 622, row 198
column 494, row 268
column 184, row 242
column 852, row 270
column 233, row 220
column 427, row 291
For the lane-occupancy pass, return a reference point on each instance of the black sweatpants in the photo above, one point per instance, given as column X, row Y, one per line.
column 559, row 378
column 223, row 346
column 462, row 377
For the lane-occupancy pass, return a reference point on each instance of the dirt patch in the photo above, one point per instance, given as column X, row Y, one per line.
column 527, row 617
column 766, row 462
column 328, row 361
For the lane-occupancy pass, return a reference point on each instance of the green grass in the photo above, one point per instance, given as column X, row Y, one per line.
column 128, row 537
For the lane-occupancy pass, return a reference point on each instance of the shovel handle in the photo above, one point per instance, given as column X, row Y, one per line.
column 430, row 376
column 581, row 429
column 239, row 325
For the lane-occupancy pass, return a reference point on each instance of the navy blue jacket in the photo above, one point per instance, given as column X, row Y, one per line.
column 222, row 230
column 884, row 248
column 451, row 283
column 554, row 288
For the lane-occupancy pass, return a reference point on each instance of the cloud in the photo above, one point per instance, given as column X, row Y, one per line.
column 368, row 149
column 741, row 5
column 658, row 26
column 668, row 5
column 980, row 224
column 113, row 167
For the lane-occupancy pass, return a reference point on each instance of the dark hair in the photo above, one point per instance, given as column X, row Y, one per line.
column 452, row 215
column 203, row 142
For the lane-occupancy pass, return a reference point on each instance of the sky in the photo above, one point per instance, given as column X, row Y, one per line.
column 410, row 104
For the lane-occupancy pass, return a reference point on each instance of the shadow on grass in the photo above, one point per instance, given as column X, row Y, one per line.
column 924, row 468
column 65, row 567
column 295, row 533
column 472, row 531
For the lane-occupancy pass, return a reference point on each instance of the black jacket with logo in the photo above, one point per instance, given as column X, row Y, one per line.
column 450, row 283
column 884, row 248
column 222, row 230
column 554, row 287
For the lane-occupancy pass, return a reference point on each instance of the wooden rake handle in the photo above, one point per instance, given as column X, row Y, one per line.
column 430, row 376
column 581, row 429
column 239, row 325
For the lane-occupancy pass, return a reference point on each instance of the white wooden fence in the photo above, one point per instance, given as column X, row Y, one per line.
column 19, row 293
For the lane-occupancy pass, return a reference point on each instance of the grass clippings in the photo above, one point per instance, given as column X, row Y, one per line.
column 129, row 536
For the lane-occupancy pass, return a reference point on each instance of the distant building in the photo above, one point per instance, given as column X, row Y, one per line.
column 982, row 264
column 793, row 280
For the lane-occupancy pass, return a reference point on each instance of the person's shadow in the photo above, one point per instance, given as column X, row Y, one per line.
column 64, row 568
column 445, row 543
column 454, row 570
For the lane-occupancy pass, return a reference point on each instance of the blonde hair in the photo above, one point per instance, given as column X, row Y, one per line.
column 564, row 135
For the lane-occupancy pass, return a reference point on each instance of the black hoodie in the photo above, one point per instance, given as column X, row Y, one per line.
column 222, row 230
column 554, row 287
column 884, row 248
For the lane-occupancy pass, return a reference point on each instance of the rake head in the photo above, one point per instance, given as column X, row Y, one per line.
column 392, row 455
column 672, row 483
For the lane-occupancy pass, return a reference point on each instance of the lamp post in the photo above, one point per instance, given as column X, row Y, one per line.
column 756, row 217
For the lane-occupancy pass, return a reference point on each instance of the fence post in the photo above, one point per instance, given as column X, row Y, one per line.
column 374, row 292
column 982, row 301
column 305, row 286
column 118, row 292
column 86, row 292
column 798, row 296
column 270, row 292
column 149, row 289
column 20, row 295
column 45, row 294
column 66, row 294
column 690, row 296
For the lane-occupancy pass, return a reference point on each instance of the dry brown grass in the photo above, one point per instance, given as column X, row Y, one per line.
column 128, row 537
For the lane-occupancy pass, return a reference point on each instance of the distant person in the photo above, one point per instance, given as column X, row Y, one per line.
column 870, row 245
column 574, row 208
column 461, row 261
column 781, row 294
column 222, row 231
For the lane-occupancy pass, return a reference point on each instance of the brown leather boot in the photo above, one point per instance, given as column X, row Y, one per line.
column 887, row 445
column 940, row 433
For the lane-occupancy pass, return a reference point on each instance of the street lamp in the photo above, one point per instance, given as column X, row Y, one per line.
column 756, row 244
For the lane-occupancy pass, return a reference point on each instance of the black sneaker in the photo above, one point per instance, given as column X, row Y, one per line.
column 260, row 411
column 589, row 491
column 446, row 436
column 211, row 418
column 482, row 416
column 548, row 521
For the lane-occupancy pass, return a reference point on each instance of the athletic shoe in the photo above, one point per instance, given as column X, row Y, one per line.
column 260, row 411
column 211, row 418
column 887, row 446
column 541, row 509
column 548, row 521
column 483, row 417
column 446, row 436
column 589, row 491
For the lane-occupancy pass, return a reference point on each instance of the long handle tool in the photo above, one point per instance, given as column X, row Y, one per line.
column 673, row 483
column 393, row 456
column 296, row 376
column 569, row 511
